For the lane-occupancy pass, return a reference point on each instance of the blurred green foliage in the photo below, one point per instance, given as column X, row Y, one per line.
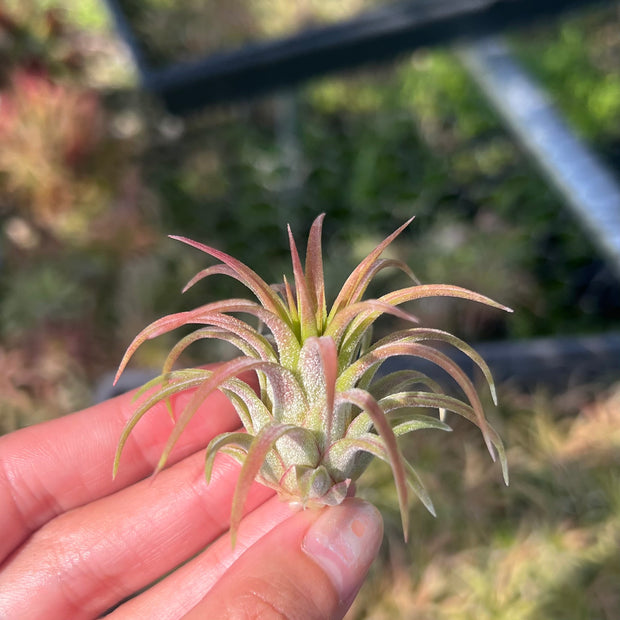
column 85, row 14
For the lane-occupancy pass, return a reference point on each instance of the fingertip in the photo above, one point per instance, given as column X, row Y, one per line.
column 311, row 566
column 344, row 541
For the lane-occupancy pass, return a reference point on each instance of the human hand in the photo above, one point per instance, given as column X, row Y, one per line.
column 74, row 543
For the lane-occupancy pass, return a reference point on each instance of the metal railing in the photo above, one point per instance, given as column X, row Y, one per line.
column 374, row 36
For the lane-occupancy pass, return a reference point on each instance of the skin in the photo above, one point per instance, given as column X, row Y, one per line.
column 77, row 544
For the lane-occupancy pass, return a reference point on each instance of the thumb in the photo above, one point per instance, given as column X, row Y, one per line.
column 309, row 567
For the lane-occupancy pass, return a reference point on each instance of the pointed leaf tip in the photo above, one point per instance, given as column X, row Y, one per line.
column 304, row 305
column 241, row 272
column 314, row 272
column 345, row 297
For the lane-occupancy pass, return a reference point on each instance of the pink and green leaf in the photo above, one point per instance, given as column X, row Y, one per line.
column 318, row 369
column 305, row 307
column 219, row 269
column 201, row 316
column 260, row 446
column 449, row 403
column 213, row 314
column 157, row 328
column 237, row 390
column 367, row 403
column 286, row 341
column 429, row 400
column 399, row 379
column 207, row 386
column 291, row 301
column 422, row 291
column 374, row 445
column 420, row 334
column 347, row 292
column 420, row 423
column 162, row 394
column 360, row 323
column 242, row 441
column 289, row 400
column 380, row 354
column 314, row 273
column 340, row 327
column 219, row 334
column 375, row 268
column 247, row 276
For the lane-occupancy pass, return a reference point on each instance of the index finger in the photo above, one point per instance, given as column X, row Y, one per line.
column 53, row 467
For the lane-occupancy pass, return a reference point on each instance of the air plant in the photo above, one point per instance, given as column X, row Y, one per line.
column 322, row 411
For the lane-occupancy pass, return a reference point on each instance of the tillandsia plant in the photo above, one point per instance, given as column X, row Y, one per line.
column 322, row 411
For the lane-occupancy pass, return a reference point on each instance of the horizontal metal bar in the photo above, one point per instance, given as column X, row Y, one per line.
column 374, row 36
column 584, row 183
column 557, row 363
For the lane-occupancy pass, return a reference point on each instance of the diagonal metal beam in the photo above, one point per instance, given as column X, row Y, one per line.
column 582, row 180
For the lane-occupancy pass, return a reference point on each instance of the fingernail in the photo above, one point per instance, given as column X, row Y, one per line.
column 344, row 541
